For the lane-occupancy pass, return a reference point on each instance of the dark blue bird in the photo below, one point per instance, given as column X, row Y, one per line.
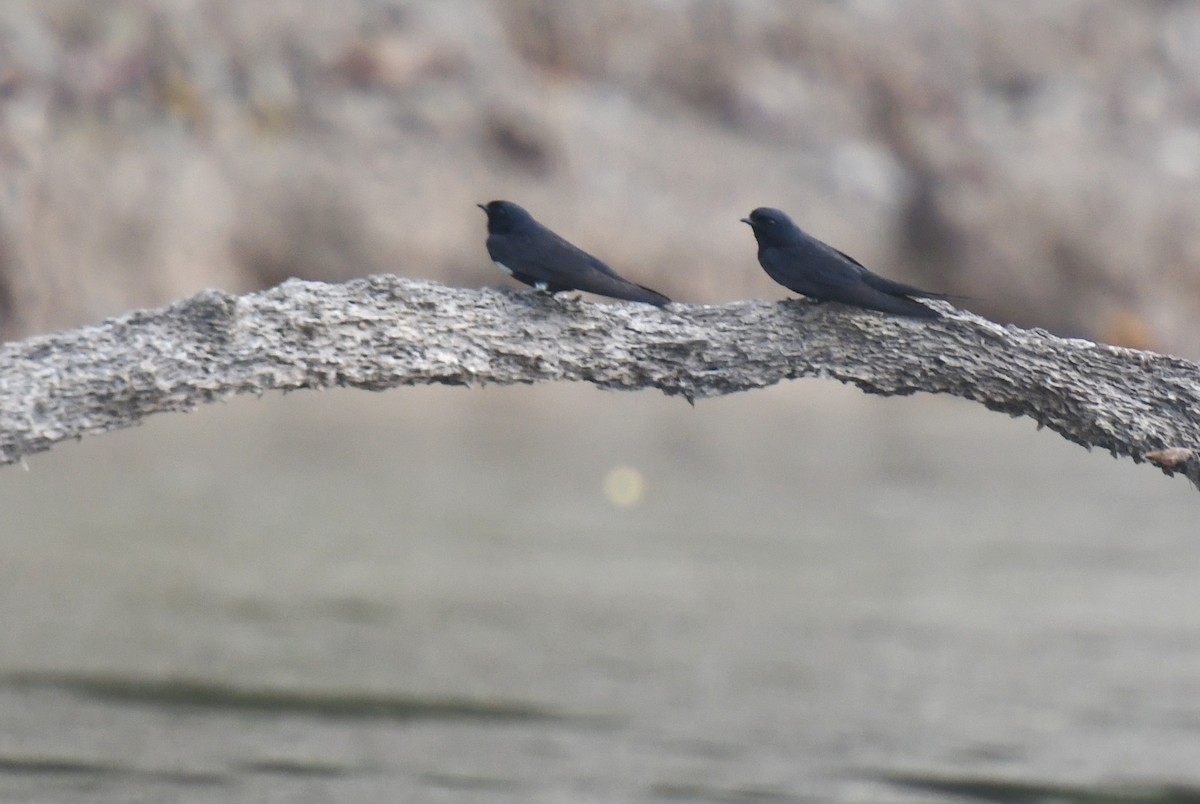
column 804, row 264
column 531, row 253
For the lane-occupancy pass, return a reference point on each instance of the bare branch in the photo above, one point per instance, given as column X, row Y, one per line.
column 382, row 332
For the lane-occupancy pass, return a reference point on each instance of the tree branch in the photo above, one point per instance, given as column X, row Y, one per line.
column 382, row 332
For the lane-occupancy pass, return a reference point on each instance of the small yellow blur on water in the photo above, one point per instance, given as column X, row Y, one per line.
column 624, row 486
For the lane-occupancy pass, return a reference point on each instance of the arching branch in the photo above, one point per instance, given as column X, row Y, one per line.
column 382, row 332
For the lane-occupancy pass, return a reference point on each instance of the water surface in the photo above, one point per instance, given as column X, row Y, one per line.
column 426, row 595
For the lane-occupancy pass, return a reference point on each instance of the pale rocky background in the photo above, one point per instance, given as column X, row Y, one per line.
column 1043, row 158
column 800, row 594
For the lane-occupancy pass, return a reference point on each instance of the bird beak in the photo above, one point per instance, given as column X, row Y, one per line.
column 746, row 221
column 482, row 206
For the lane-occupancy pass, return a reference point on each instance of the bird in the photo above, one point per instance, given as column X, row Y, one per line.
column 802, row 263
column 530, row 253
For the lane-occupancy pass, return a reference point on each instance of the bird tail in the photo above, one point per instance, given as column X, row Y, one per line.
column 898, row 305
column 929, row 294
column 623, row 289
column 893, row 288
column 644, row 294
column 615, row 287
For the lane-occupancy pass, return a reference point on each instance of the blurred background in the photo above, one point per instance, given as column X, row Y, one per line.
column 559, row 594
column 1042, row 158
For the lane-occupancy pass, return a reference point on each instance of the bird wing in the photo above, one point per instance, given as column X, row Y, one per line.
column 565, row 264
column 844, row 255
column 861, row 294
column 823, row 275
column 810, row 271
column 893, row 288
column 560, row 265
column 889, row 286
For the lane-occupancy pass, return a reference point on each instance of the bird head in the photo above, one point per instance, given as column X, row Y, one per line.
column 772, row 226
column 505, row 216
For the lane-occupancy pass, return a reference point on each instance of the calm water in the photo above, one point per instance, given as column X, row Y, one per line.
column 426, row 595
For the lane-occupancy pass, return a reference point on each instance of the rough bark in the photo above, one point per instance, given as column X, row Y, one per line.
column 382, row 332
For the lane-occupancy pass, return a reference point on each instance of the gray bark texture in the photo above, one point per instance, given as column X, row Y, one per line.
column 384, row 331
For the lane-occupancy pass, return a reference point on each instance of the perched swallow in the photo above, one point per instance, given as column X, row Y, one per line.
column 531, row 253
column 804, row 264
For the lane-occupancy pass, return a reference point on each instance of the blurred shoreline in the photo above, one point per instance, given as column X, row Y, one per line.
column 1041, row 159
